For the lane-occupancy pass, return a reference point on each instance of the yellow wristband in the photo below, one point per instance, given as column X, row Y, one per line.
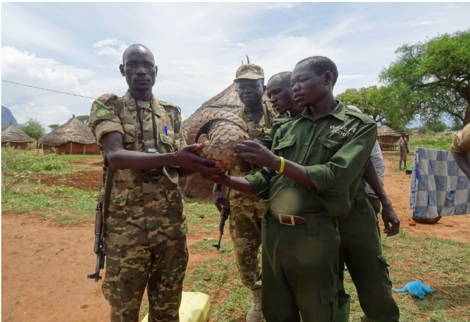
column 283, row 163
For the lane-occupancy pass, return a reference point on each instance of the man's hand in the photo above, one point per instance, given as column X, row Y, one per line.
column 390, row 219
column 256, row 153
column 188, row 158
column 218, row 197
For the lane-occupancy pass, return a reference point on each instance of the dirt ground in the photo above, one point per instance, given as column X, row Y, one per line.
column 44, row 267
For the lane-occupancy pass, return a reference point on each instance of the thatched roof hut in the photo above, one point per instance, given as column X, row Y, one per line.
column 73, row 137
column 387, row 137
column 13, row 136
column 385, row 130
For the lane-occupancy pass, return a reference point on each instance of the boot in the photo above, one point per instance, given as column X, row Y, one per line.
column 255, row 314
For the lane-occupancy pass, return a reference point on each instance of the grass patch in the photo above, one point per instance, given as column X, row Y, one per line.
column 20, row 161
column 443, row 264
column 203, row 217
column 219, row 278
column 438, row 142
column 63, row 205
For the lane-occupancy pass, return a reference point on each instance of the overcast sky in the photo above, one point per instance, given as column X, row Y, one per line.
column 77, row 47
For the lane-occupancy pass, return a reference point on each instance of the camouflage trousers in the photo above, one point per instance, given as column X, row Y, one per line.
column 160, row 267
column 246, row 214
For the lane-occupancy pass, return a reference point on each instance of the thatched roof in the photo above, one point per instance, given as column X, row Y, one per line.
column 13, row 134
column 385, row 130
column 227, row 100
column 73, row 131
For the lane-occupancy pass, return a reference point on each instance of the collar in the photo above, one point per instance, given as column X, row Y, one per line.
column 338, row 112
column 130, row 104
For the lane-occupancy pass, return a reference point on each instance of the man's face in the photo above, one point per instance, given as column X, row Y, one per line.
column 280, row 94
column 250, row 91
column 139, row 69
column 307, row 86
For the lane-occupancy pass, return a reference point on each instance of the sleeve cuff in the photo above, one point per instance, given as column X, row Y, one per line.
column 107, row 127
column 258, row 183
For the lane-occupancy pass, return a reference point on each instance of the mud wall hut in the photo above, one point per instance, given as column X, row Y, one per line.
column 13, row 136
column 73, row 137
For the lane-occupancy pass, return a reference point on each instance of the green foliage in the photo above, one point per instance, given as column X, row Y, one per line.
column 368, row 99
column 23, row 161
column 53, row 126
column 83, row 118
column 33, row 128
column 379, row 103
column 457, row 125
column 432, row 78
column 435, row 126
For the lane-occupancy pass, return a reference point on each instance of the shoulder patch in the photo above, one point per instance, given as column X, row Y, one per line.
column 101, row 112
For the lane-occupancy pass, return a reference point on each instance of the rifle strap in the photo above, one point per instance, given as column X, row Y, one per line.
column 110, row 172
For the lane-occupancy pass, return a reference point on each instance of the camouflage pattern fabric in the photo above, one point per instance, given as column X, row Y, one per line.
column 246, row 211
column 143, row 211
column 129, row 271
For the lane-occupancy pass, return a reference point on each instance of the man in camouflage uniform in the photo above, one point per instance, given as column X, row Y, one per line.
column 145, row 230
column 246, row 211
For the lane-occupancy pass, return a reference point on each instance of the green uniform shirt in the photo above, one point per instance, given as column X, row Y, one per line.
column 140, row 211
column 333, row 149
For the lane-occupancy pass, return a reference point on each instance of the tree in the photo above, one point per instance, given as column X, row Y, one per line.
column 380, row 104
column 84, row 118
column 33, row 128
column 53, row 126
column 365, row 100
column 433, row 78
column 435, row 125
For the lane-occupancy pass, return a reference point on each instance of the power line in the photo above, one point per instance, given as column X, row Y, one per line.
column 45, row 89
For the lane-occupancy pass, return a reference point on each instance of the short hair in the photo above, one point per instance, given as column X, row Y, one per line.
column 133, row 46
column 321, row 65
column 284, row 77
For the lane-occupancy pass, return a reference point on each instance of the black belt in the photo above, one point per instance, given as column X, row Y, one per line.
column 293, row 220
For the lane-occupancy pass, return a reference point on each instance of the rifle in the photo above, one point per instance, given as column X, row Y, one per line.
column 224, row 212
column 100, row 246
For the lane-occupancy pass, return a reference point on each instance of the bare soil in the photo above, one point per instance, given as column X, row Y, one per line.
column 44, row 266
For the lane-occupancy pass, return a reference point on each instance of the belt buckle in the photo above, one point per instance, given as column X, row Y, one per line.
column 292, row 222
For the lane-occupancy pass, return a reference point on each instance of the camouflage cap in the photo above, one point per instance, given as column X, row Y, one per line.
column 249, row 71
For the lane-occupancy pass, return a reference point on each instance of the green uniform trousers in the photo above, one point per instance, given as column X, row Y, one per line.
column 361, row 251
column 300, row 270
column 160, row 267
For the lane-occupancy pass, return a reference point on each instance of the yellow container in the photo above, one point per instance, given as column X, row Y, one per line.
column 195, row 307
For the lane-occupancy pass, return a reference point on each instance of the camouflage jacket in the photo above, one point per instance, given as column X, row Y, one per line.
column 141, row 211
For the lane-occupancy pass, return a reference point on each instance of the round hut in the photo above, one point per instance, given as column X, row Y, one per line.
column 387, row 137
column 73, row 137
column 13, row 136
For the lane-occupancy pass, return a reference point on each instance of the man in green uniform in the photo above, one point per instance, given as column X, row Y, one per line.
column 309, row 181
column 360, row 241
column 145, row 231
column 245, row 210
